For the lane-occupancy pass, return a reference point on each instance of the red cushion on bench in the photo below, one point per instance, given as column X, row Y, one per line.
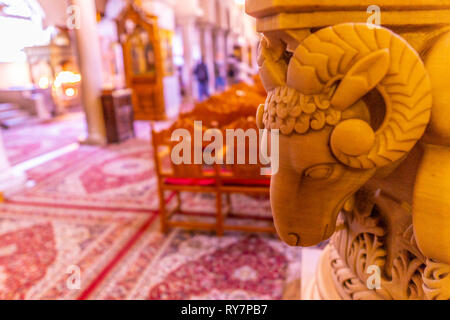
column 247, row 182
column 189, row 182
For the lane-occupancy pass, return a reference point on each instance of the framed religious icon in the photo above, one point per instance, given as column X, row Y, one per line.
column 166, row 37
column 143, row 63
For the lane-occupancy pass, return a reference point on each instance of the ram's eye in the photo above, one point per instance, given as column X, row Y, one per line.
column 287, row 56
column 319, row 172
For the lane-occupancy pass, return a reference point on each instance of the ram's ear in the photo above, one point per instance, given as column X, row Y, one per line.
column 361, row 78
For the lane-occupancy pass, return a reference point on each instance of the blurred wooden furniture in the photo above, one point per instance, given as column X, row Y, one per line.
column 46, row 62
column 363, row 112
column 176, row 178
column 118, row 115
column 219, row 180
column 243, row 178
column 139, row 37
column 241, row 100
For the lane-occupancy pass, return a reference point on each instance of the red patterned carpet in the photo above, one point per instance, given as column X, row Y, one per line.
column 28, row 142
column 195, row 265
column 242, row 206
column 116, row 177
column 95, row 209
column 25, row 143
column 39, row 246
column 120, row 256
column 46, row 170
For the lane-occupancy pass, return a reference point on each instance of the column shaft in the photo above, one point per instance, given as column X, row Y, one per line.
column 90, row 62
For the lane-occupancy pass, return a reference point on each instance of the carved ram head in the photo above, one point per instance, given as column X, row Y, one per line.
column 333, row 138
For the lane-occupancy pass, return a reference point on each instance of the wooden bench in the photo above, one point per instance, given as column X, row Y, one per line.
column 219, row 180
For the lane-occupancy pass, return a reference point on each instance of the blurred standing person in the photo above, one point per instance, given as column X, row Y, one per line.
column 232, row 70
column 220, row 78
column 181, row 82
column 201, row 73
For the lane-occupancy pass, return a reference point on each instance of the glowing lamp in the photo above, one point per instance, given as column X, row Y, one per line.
column 44, row 83
column 70, row 92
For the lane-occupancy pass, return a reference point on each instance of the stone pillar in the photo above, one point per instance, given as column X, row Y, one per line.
column 186, row 18
column 165, row 11
column 90, row 63
column 190, row 38
column 221, row 46
column 220, row 53
column 385, row 205
column 10, row 180
column 207, row 45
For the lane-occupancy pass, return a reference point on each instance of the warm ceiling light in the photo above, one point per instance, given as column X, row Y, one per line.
column 66, row 77
column 70, row 92
column 44, row 83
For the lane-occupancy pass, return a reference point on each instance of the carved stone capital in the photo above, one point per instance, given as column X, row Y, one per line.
column 363, row 112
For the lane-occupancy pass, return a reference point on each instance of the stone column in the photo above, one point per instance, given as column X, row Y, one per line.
column 90, row 63
column 186, row 18
column 220, row 52
column 208, row 53
column 188, row 30
column 10, row 180
column 389, row 222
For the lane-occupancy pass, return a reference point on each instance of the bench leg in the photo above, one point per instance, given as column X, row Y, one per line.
column 228, row 199
column 219, row 215
column 178, row 195
column 162, row 212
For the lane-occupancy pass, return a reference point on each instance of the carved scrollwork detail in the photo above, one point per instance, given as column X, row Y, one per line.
column 406, row 281
column 349, row 280
column 361, row 242
column 436, row 280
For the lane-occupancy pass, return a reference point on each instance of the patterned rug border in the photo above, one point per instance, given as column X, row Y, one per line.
column 289, row 287
column 120, row 255
column 58, row 143
column 72, row 215
column 26, row 196
column 81, row 207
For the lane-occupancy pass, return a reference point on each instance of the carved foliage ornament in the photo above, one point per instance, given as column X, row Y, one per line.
column 362, row 242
